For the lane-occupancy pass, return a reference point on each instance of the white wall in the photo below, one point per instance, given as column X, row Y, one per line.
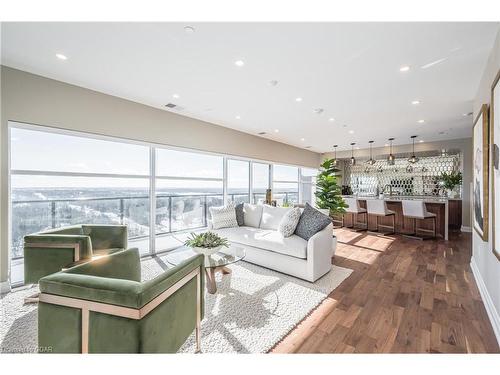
column 485, row 265
column 37, row 100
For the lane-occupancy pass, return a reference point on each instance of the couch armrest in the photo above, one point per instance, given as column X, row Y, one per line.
column 320, row 251
column 81, row 245
column 106, row 236
column 154, row 287
column 120, row 265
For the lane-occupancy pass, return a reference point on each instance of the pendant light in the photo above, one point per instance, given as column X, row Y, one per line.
column 413, row 159
column 391, row 159
column 353, row 160
column 370, row 161
column 334, row 161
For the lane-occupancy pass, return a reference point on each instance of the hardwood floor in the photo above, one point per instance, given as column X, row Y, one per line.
column 404, row 296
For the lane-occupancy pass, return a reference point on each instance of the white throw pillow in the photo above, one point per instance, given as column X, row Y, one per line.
column 223, row 217
column 252, row 214
column 289, row 222
column 271, row 216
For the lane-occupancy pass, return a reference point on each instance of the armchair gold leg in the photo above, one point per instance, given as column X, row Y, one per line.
column 32, row 299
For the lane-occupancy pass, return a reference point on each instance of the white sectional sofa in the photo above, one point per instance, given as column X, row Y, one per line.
column 265, row 246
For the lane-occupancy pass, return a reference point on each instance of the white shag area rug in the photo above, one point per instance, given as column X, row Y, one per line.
column 253, row 309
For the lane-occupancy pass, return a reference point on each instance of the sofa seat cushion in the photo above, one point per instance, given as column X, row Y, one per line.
column 266, row 239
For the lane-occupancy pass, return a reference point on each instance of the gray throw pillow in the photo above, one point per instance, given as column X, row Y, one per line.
column 311, row 222
column 240, row 215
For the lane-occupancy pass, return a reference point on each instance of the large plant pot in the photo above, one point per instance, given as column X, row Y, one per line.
column 324, row 211
column 207, row 250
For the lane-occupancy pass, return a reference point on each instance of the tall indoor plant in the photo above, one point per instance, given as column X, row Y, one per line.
column 328, row 190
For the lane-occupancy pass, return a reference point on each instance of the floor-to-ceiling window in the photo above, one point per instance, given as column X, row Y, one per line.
column 187, row 184
column 260, row 181
column 238, row 181
column 61, row 178
column 285, row 184
column 308, row 185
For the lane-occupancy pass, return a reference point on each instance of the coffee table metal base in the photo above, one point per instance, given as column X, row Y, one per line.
column 210, row 273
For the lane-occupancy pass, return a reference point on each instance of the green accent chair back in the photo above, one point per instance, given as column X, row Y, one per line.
column 50, row 251
column 103, row 307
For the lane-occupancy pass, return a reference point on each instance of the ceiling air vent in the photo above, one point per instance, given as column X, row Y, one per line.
column 262, row 133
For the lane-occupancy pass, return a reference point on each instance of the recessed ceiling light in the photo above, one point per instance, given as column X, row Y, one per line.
column 386, row 145
column 331, row 119
column 302, row 139
column 189, row 29
column 357, row 148
column 351, row 131
column 404, row 68
column 421, row 141
column 298, row 99
column 176, row 96
column 238, row 117
column 415, row 102
column 276, row 130
column 60, row 56
column 421, row 121
column 239, row 63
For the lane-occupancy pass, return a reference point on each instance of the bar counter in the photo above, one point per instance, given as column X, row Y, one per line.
column 448, row 214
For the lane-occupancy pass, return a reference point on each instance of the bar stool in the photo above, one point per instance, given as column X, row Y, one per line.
column 378, row 207
column 355, row 209
column 416, row 210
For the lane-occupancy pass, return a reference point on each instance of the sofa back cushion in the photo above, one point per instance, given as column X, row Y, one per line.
column 271, row 216
column 252, row 214
column 223, row 217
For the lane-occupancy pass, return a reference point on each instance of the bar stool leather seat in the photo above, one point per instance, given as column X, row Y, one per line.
column 378, row 207
column 416, row 210
column 354, row 208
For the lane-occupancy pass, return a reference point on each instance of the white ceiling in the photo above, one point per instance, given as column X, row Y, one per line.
column 351, row 70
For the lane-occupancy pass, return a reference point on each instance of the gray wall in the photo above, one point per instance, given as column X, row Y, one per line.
column 37, row 100
column 464, row 145
column 485, row 261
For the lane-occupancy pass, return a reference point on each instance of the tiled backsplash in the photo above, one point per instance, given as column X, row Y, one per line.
column 404, row 178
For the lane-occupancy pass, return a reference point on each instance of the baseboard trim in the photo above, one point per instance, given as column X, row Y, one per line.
column 4, row 287
column 488, row 303
column 465, row 229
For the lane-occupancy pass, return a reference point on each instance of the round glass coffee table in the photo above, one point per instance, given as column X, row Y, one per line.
column 215, row 262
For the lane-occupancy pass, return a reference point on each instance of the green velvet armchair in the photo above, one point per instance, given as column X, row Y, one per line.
column 103, row 307
column 50, row 251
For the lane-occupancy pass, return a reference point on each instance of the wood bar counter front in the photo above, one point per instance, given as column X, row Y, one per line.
column 448, row 211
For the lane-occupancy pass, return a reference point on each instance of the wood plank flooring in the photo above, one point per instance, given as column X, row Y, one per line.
column 404, row 296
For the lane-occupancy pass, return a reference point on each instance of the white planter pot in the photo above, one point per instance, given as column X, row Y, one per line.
column 324, row 211
column 207, row 250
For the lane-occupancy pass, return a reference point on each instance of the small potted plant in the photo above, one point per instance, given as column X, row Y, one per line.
column 450, row 181
column 206, row 243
